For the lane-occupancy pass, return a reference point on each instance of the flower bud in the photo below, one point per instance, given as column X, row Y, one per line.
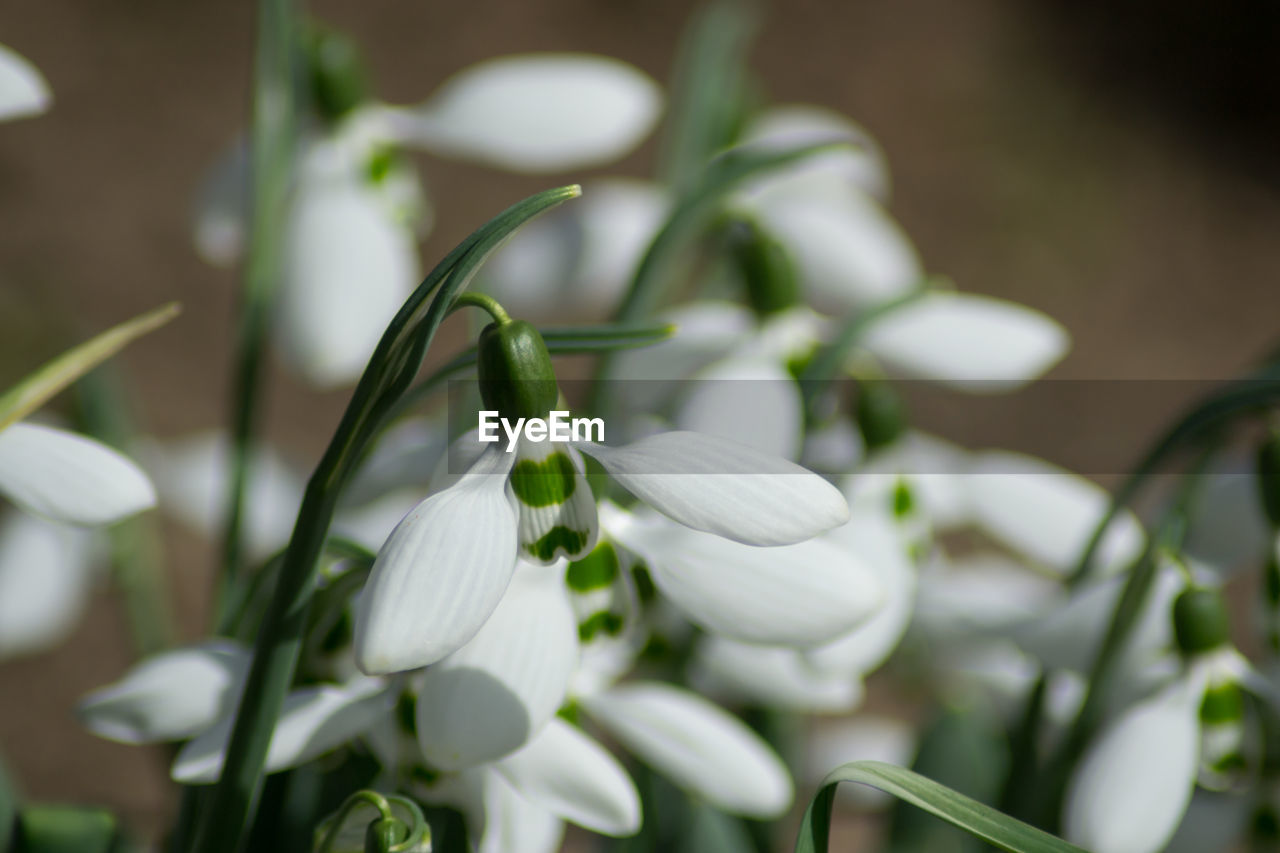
column 337, row 73
column 766, row 268
column 1200, row 621
column 1269, row 477
column 515, row 373
column 880, row 414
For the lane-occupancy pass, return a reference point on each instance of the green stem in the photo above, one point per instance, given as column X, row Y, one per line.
column 483, row 301
column 272, row 143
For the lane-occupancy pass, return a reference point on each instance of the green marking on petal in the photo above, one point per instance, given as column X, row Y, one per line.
column 609, row 623
column 597, row 570
column 546, row 483
column 558, row 539
column 903, row 501
column 645, row 590
column 1223, row 703
column 406, row 713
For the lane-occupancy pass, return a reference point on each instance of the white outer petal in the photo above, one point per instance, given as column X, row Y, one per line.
column 441, row 572
column 771, row 675
column 720, row 487
column 696, row 744
column 848, row 252
column 513, row 824
column 795, row 595
column 347, row 267
column 573, row 777
column 876, row 540
column 752, row 400
column 934, row 469
column 861, row 738
column 23, row 90
column 313, row 721
column 69, row 477
column 45, row 581
column 579, row 258
column 974, row 342
column 1134, row 782
column 169, row 696
column 492, row 695
column 537, row 112
column 981, row 593
column 1047, row 513
column 191, row 476
column 792, row 125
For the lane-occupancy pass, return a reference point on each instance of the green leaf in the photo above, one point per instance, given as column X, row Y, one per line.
column 970, row 815
column 65, row 829
column 37, row 388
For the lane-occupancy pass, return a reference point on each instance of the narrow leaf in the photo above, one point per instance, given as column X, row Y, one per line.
column 960, row 811
column 38, row 387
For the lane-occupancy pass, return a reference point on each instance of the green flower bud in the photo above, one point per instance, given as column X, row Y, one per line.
column 337, row 73
column 880, row 414
column 1200, row 620
column 1269, row 477
column 383, row 834
column 766, row 268
column 515, row 373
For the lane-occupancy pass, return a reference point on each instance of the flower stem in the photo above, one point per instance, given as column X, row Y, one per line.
column 272, row 144
column 483, row 301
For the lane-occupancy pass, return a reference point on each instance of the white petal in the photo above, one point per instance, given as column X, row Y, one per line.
column 222, row 207
column 573, row 777
column 493, row 694
column 440, row 574
column 877, row 542
column 537, row 112
column 348, row 265
column 514, row 824
column 698, row 745
column 373, row 523
column 793, row 125
column 170, row 696
column 981, row 593
column 191, row 475
column 714, row 485
column 23, row 91
column 934, row 469
column 45, row 581
column 770, row 675
column 977, row 343
column 581, row 257
column 848, row 252
column 1134, row 782
column 313, row 721
column 751, row 400
column 704, row 332
column 70, row 477
column 861, row 738
column 1047, row 513
column 795, row 595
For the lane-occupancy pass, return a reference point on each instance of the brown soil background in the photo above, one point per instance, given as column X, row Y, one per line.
column 1033, row 159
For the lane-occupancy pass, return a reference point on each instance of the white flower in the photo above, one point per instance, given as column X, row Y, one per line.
column 69, row 477
column 446, row 565
column 23, row 91
column 349, row 243
column 46, row 575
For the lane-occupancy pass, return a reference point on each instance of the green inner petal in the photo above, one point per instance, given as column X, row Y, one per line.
column 559, row 538
column 597, row 570
column 544, row 483
column 606, row 621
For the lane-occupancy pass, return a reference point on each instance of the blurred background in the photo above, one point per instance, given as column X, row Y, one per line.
column 1110, row 164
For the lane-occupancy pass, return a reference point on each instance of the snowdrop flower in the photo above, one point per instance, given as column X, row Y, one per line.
column 349, row 253
column 23, row 91
column 46, row 573
column 1134, row 784
column 192, row 693
column 446, row 565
